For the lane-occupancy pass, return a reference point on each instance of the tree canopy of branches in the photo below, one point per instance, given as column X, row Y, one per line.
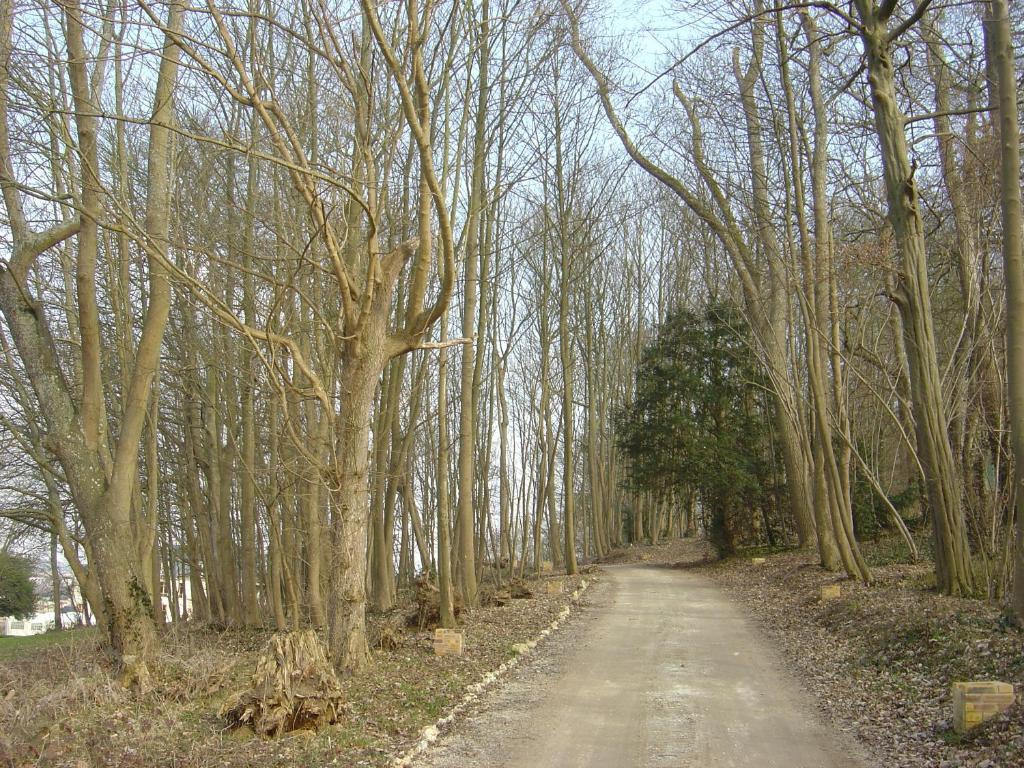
column 300, row 301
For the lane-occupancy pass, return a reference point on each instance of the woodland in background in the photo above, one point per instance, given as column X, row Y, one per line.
column 303, row 299
column 698, row 425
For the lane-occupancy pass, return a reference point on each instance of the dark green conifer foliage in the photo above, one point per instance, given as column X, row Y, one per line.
column 698, row 422
column 17, row 592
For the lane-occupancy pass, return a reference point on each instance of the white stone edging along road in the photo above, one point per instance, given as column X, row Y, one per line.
column 430, row 734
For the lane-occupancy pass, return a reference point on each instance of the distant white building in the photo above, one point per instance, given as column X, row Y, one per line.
column 40, row 622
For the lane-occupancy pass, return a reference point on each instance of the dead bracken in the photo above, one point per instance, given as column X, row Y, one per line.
column 202, row 669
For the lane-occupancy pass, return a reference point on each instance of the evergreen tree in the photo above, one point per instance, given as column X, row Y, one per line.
column 17, row 592
column 697, row 420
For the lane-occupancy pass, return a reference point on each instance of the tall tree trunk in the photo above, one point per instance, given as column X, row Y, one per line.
column 913, row 298
column 976, row 406
column 444, row 546
column 55, row 584
column 76, row 429
column 275, row 583
column 347, row 606
column 565, row 352
column 467, row 412
column 247, row 512
column 1001, row 41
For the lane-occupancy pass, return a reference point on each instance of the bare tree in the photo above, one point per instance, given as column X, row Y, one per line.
column 1001, row 41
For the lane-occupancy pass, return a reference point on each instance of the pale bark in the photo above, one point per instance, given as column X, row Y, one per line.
column 913, row 297
column 565, row 248
column 833, row 488
column 74, row 427
column 1003, row 65
column 444, row 547
column 468, row 392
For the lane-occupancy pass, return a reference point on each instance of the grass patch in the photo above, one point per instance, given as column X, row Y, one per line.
column 764, row 550
column 951, row 737
column 892, row 550
column 12, row 647
column 60, row 702
column 422, row 701
column 347, row 734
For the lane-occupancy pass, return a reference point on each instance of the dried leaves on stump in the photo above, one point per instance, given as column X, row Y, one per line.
column 428, row 605
column 520, row 590
column 294, row 688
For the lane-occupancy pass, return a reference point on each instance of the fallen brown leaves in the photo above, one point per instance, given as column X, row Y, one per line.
column 881, row 660
column 60, row 707
column 686, row 552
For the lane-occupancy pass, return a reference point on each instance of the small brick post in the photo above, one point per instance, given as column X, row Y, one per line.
column 831, row 592
column 447, row 642
column 553, row 586
column 976, row 702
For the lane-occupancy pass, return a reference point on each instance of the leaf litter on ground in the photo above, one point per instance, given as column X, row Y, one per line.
column 880, row 660
column 61, row 706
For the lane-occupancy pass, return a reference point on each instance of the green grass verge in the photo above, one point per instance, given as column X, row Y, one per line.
column 764, row 550
column 13, row 647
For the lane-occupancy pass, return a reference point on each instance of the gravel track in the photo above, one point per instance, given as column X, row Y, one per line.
column 662, row 670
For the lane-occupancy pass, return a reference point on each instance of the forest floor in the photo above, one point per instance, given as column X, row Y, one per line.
column 881, row 660
column 61, row 705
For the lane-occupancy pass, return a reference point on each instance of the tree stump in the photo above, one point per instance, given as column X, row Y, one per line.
column 389, row 638
column 493, row 596
column 428, row 604
column 293, row 688
column 520, row 590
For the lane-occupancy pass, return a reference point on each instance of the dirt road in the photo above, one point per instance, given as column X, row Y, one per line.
column 661, row 671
